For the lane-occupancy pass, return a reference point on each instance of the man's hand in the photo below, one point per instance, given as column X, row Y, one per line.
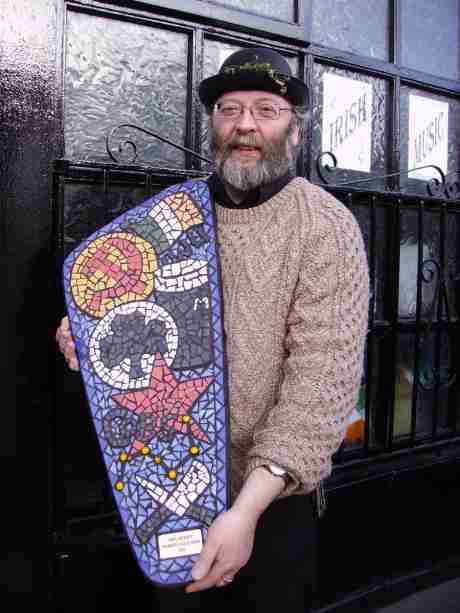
column 228, row 548
column 66, row 344
column 231, row 536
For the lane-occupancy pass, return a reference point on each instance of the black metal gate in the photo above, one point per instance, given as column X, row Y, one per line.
column 410, row 395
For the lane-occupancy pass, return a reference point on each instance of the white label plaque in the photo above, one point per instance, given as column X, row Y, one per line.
column 179, row 544
column 428, row 136
column 347, row 121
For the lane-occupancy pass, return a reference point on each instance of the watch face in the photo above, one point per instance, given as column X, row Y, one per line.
column 276, row 470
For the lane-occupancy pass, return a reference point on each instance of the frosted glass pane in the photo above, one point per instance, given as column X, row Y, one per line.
column 121, row 72
column 351, row 130
column 276, row 9
column 431, row 36
column 431, row 141
column 358, row 26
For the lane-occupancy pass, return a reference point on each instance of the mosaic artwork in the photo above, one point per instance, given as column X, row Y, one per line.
column 144, row 304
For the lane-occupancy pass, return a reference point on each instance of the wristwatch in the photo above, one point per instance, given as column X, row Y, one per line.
column 276, row 471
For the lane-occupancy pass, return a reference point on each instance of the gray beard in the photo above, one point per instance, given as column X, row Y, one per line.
column 277, row 159
column 245, row 178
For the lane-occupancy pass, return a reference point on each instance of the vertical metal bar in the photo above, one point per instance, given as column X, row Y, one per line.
column 308, row 136
column 442, row 301
column 57, row 495
column 453, row 339
column 303, row 75
column 306, row 9
column 418, row 323
column 395, row 31
column 190, row 161
column 105, row 181
column 298, row 17
column 148, row 182
column 394, row 275
column 437, row 371
column 442, row 264
column 454, row 390
column 197, row 50
column 370, row 337
column 394, row 138
column 57, row 510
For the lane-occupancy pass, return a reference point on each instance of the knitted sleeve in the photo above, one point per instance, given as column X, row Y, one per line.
column 326, row 329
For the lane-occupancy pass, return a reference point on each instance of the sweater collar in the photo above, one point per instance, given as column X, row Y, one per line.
column 253, row 198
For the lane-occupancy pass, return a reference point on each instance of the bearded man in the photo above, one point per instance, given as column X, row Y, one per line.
column 295, row 294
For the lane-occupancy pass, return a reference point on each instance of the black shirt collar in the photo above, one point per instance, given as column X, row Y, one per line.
column 253, row 198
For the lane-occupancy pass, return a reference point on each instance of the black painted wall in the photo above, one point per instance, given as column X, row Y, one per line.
column 30, row 138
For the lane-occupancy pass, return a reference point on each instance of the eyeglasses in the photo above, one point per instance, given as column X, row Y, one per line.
column 260, row 110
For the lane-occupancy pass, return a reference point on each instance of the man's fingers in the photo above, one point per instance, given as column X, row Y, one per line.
column 204, row 584
column 205, row 561
column 207, row 570
column 225, row 580
column 66, row 344
column 214, row 578
column 73, row 364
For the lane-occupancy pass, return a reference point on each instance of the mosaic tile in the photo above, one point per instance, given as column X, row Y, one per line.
column 144, row 304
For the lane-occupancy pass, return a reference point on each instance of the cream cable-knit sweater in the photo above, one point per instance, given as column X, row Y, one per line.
column 295, row 289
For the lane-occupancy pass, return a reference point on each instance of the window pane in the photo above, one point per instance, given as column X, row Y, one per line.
column 359, row 26
column 435, row 384
column 88, row 206
column 349, row 120
column 429, row 246
column 284, row 10
column 121, row 72
column 430, row 33
column 430, row 135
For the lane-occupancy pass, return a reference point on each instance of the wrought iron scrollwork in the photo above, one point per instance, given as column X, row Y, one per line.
column 430, row 271
column 122, row 146
column 453, row 187
column 320, row 167
column 434, row 186
column 327, row 167
column 428, row 376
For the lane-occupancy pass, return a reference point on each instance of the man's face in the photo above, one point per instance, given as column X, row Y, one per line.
column 249, row 151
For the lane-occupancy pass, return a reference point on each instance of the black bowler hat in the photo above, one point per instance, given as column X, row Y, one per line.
column 256, row 68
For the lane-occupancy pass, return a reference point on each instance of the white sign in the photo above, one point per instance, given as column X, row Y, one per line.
column 179, row 544
column 428, row 136
column 347, row 121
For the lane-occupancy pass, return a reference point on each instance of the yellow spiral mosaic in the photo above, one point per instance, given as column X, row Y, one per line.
column 114, row 269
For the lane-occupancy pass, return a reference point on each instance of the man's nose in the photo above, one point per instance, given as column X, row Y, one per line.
column 246, row 121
